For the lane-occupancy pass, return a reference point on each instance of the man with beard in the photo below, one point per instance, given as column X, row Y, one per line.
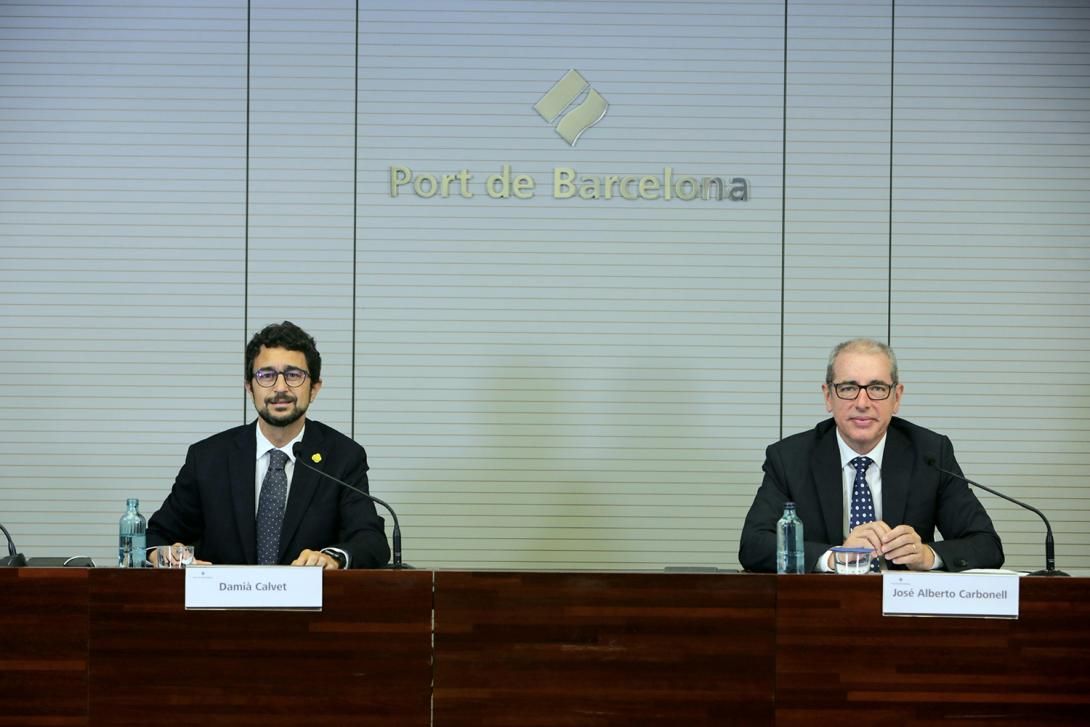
column 240, row 499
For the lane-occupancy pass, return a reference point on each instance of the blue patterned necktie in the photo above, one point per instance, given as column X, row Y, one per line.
column 270, row 509
column 862, row 507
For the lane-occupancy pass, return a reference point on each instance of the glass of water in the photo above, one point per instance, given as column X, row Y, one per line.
column 173, row 556
column 852, row 561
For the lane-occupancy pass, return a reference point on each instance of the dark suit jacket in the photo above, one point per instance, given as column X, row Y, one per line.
column 805, row 468
column 213, row 505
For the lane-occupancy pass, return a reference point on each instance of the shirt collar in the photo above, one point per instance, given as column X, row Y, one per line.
column 264, row 445
column 847, row 454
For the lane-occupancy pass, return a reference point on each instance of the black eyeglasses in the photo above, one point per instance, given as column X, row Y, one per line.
column 850, row 390
column 292, row 377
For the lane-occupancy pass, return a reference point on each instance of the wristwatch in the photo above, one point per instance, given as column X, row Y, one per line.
column 341, row 558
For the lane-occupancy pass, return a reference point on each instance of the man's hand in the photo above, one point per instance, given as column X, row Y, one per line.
column 317, row 557
column 868, row 535
column 902, row 545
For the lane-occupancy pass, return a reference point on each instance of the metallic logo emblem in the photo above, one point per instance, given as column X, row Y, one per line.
column 582, row 116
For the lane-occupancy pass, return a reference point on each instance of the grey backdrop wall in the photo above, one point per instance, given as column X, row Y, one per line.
column 542, row 380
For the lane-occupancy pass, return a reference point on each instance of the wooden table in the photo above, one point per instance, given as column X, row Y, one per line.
column 666, row 649
column 114, row 647
column 552, row 649
column 839, row 661
column 117, row 647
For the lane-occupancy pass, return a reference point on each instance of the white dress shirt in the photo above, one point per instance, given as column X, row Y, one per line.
column 847, row 479
column 262, row 468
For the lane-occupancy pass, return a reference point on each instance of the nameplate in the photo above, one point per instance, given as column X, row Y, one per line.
column 971, row 595
column 254, row 587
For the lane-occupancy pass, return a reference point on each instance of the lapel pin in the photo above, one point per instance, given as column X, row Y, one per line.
column 315, row 458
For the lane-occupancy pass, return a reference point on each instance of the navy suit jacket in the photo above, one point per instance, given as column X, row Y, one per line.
column 805, row 468
column 213, row 502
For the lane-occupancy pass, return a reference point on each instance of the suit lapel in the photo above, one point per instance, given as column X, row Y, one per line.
column 896, row 477
column 304, row 483
column 241, row 465
column 828, row 480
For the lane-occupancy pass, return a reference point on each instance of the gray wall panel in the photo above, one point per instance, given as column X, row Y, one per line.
column 541, row 382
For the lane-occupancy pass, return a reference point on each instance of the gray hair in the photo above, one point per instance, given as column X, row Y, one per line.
column 862, row 345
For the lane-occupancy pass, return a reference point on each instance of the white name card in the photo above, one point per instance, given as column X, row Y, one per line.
column 261, row 587
column 975, row 595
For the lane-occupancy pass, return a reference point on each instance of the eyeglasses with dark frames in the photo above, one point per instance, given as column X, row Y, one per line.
column 293, row 377
column 849, row 390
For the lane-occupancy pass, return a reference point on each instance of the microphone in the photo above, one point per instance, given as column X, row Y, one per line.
column 297, row 450
column 1050, row 548
column 14, row 558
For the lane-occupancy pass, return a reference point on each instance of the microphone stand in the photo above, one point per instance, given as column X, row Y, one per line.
column 14, row 559
column 1050, row 547
column 395, row 536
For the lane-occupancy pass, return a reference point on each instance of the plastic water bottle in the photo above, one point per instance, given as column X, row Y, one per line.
column 789, row 550
column 132, row 538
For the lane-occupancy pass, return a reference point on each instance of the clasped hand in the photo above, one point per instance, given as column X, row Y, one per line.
column 901, row 545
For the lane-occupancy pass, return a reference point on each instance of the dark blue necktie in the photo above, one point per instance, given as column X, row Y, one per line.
column 862, row 507
column 270, row 509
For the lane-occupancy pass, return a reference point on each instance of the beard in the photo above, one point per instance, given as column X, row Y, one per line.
column 297, row 412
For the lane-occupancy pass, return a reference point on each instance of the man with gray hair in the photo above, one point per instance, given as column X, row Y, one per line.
column 862, row 479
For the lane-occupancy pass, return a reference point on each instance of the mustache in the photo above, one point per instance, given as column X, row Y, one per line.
column 281, row 399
